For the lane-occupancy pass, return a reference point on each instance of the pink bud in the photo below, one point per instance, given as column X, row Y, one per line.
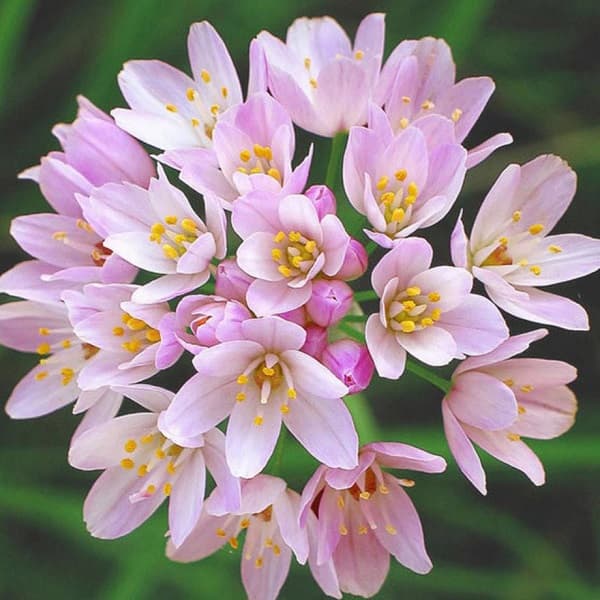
column 351, row 363
column 323, row 199
column 316, row 340
column 330, row 301
column 355, row 261
column 231, row 282
column 298, row 316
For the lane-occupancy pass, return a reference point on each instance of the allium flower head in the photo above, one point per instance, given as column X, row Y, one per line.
column 429, row 313
column 510, row 249
column 262, row 380
column 495, row 399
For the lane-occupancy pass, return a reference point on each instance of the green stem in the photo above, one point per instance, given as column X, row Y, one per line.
column 424, row 373
column 334, row 167
column 355, row 318
column 351, row 332
column 278, row 454
column 371, row 246
column 365, row 295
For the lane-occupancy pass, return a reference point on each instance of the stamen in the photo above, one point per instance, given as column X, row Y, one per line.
column 407, row 326
column 382, row 183
column 427, row 105
column 167, row 489
column 456, row 114
column 555, row 249
column 313, row 82
column 527, row 388
column 142, row 470
column 391, row 529
column 170, row 252
column 307, row 63
column 171, row 108
column 44, row 331
column 233, row 543
column 516, row 216
column 359, row 55
column 513, row 437
column 401, row 174
column 279, row 237
column 242, row 379
column 130, row 446
column 245, row 155
column 44, row 348
column 127, row 463
column 135, row 324
column 291, row 393
column 240, row 396
column 191, row 94
column 413, row 291
column 258, row 420
column 343, row 529
column 220, row 532
column 170, row 219
column 434, row 296
column 406, row 99
column 536, row 228
column 536, row 270
column 224, row 92
column 205, row 76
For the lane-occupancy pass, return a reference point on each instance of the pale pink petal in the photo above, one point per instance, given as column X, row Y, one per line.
column 459, row 244
column 198, row 255
column 387, row 354
column 25, row 280
column 259, row 492
column 169, row 286
column 402, row 456
column 151, row 397
column 453, row 285
column 276, row 297
column 462, row 449
column 286, row 510
column 257, row 68
column 536, row 372
column 274, row 334
column 342, row 479
column 256, row 212
column 335, row 244
column 433, row 345
column 104, row 408
column 312, row 377
column 325, row 574
column 298, row 213
column 59, row 182
column 254, row 256
column 310, row 491
column 203, row 541
column 483, row 150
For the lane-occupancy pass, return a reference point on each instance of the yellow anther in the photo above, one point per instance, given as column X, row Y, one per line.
column 268, row 543
column 189, row 225
column 401, row 174
column 268, row 371
column 59, row 235
column 142, row 470
column 307, row 62
column 258, row 420
column 516, row 216
column 436, row 313
column 294, row 236
column 523, row 262
column 434, row 296
column 413, row 291
column 233, row 543
column 195, row 122
column 171, row 468
column 404, row 123
column 412, row 189
column 66, row 344
column 258, row 563
column 259, row 151
column 408, row 304
column 291, row 393
column 170, row 219
column 536, row 228
column 159, row 453
column 407, row 326
column 365, row 495
column 130, row 446
column 359, row 55
column 170, row 252
column 276, row 550
column 536, row 270
column 84, row 225
column 310, row 246
column 406, row 99
column 407, row 482
column 285, row 409
column 397, row 215
column 214, row 109
column 555, row 249
column 279, row 237
column 171, row 108
column 242, row 379
column 343, row 529
column 340, row 502
column 503, row 240
column 508, row 382
column 521, row 409
column 67, row 375
column 41, row 375
column 275, row 174
column 146, row 439
column 410, row 200
column 383, row 489
column 427, row 105
column 224, row 92
column 276, row 254
column 153, row 335
column 205, row 76
column 382, row 183
column 362, row 530
column 135, row 324
column 43, row 361
column 426, row 322
column 245, row 155
column 391, row 529
column 285, row 271
column 297, row 261
column 240, row 396
column 150, row 489
column 44, row 348
column 456, row 114
column 191, row 94
column 243, row 170
column 513, row 437
column 313, row 82
column 387, row 197
column 255, row 170
column 221, row 532
column 127, row 463
column 132, row 346
column 245, row 523
column 526, row 388
column 167, row 489
column 44, row 331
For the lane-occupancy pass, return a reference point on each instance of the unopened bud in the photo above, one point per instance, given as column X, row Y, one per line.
column 323, row 199
column 329, row 302
column 231, row 282
column 316, row 340
column 351, row 363
column 355, row 262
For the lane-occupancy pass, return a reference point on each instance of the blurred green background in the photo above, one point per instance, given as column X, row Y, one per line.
column 520, row 541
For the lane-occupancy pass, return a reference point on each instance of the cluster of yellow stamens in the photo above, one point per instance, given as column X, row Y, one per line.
column 427, row 105
column 259, row 160
column 396, row 200
column 206, row 113
column 175, row 235
column 413, row 310
column 148, row 452
column 294, row 253
column 137, row 334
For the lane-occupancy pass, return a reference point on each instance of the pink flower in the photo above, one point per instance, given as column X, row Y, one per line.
column 285, row 247
column 495, row 399
column 351, row 363
column 157, row 230
column 172, row 111
column 323, row 81
column 269, row 515
column 231, row 282
column 261, row 380
column 329, row 302
column 124, row 334
column 429, row 313
column 418, row 80
column 355, row 262
column 253, row 147
column 323, row 199
column 402, row 183
column 142, row 467
column 363, row 516
column 316, row 341
column 511, row 252
column 53, row 383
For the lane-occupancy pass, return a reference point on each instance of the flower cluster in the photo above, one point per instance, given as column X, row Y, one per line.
column 251, row 284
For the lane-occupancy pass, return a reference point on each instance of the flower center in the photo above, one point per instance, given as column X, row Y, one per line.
column 396, row 200
column 294, row 253
column 136, row 334
column 259, row 161
column 175, row 235
column 413, row 310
